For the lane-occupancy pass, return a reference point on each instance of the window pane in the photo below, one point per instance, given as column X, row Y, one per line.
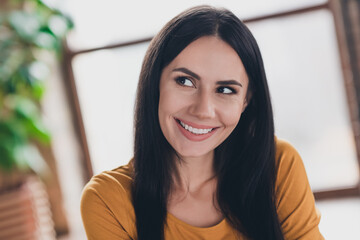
column 303, row 69
column 304, row 73
column 106, row 82
column 103, row 22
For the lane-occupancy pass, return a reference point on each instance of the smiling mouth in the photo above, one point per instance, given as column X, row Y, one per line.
column 197, row 131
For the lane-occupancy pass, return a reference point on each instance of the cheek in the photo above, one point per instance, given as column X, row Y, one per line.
column 231, row 111
column 170, row 102
column 169, row 105
column 163, row 110
column 166, row 103
column 230, row 114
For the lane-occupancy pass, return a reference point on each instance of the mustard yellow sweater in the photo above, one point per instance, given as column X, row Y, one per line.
column 108, row 213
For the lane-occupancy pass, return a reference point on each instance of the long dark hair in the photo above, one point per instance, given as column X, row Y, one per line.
column 244, row 162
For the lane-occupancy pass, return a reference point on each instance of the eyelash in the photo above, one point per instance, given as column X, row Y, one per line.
column 233, row 91
column 180, row 80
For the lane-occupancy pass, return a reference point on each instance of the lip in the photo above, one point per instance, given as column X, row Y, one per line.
column 195, row 125
column 192, row 136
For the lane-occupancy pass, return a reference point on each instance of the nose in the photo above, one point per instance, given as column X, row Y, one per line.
column 203, row 106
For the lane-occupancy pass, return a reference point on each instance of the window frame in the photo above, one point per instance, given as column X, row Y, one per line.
column 347, row 31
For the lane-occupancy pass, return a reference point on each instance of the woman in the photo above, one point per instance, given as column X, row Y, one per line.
column 206, row 163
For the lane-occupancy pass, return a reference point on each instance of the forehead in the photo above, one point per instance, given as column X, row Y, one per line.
column 210, row 57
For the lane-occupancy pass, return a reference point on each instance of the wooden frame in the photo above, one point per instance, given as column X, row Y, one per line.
column 71, row 91
column 346, row 20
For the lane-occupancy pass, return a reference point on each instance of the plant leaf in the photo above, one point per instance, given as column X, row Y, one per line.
column 25, row 24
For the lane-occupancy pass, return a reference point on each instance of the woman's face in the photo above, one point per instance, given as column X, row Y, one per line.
column 202, row 96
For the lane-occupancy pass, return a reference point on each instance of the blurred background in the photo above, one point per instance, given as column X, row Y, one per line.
column 68, row 76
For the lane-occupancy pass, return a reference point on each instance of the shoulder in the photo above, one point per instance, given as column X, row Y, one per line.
column 284, row 150
column 120, row 177
column 289, row 166
column 111, row 186
column 287, row 159
column 294, row 199
column 107, row 200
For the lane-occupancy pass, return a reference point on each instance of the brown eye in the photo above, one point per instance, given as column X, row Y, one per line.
column 184, row 81
column 226, row 90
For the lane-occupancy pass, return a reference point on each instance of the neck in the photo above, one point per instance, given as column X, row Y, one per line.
column 194, row 172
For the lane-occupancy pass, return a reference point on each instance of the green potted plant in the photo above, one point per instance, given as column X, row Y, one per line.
column 29, row 30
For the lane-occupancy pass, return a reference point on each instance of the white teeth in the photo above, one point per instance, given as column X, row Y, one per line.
column 195, row 130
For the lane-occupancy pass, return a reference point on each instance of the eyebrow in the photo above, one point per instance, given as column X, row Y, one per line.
column 194, row 75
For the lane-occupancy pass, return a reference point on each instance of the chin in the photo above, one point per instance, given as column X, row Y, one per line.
column 194, row 153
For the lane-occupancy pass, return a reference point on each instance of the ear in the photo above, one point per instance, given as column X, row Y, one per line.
column 246, row 101
column 245, row 105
